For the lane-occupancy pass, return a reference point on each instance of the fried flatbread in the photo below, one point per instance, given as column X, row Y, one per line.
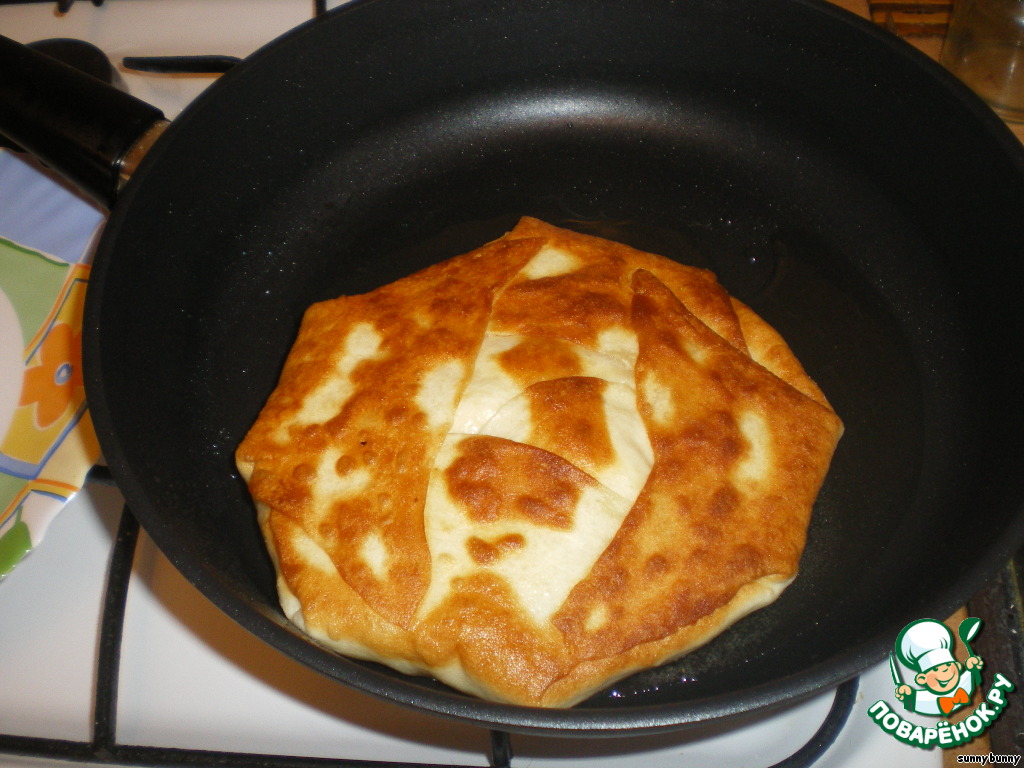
column 536, row 468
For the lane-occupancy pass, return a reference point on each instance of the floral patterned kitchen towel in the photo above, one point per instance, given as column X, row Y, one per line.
column 47, row 444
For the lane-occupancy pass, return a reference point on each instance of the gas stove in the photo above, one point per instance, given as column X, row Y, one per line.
column 170, row 679
column 108, row 655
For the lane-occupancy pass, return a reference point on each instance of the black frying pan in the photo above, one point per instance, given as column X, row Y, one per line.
column 859, row 198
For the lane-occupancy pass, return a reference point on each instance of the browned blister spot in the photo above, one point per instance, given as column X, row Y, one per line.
column 724, row 502
column 555, row 510
column 519, row 482
column 656, row 565
column 345, row 464
column 303, row 473
column 489, row 552
column 575, row 307
column 568, row 419
column 536, row 359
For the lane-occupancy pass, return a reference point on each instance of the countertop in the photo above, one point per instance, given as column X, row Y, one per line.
column 927, row 35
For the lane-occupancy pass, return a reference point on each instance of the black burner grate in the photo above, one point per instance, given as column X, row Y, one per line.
column 104, row 747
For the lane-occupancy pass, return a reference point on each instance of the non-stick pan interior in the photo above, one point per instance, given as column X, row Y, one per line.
column 858, row 198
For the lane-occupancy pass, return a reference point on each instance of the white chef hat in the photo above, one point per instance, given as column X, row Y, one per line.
column 924, row 644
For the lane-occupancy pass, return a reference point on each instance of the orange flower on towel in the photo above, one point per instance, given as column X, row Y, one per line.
column 54, row 383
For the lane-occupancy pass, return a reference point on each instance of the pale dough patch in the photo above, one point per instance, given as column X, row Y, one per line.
column 438, row 391
column 550, row 262
column 375, row 555
column 543, row 571
column 659, row 397
column 362, row 343
column 757, row 463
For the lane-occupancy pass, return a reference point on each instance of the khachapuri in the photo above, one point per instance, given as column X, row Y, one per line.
column 537, row 467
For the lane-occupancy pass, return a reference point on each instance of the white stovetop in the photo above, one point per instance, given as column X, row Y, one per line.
column 161, row 27
column 190, row 677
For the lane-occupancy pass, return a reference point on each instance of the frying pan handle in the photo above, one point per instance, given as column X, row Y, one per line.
column 87, row 131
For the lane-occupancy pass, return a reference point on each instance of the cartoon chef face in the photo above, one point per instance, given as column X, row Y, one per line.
column 942, row 678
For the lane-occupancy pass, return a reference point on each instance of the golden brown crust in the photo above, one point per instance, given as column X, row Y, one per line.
column 577, row 305
column 714, row 514
column 349, row 386
column 537, row 467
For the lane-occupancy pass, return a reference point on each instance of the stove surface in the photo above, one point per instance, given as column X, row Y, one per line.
column 190, row 678
column 123, row 28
